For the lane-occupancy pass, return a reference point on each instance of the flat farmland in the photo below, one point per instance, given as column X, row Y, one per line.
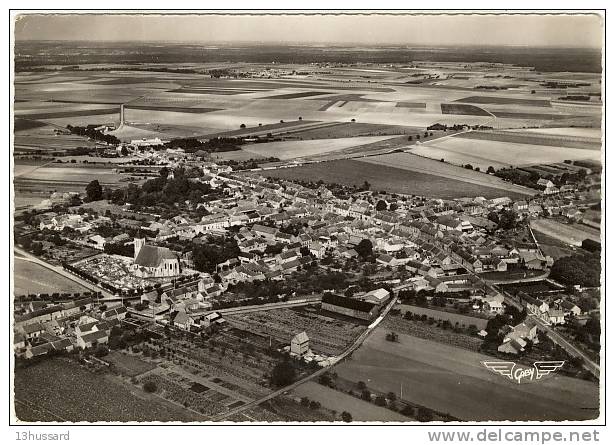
column 47, row 141
column 504, row 100
column 39, row 114
column 301, row 149
column 298, row 95
column 58, row 389
column 484, row 153
column 568, row 233
column 590, row 133
column 390, row 178
column 457, row 108
column 354, row 129
column 530, row 116
column 31, row 278
column 275, row 128
column 238, row 155
column 175, row 109
column 360, row 410
column 533, row 137
column 73, row 174
column 454, row 381
column 419, row 164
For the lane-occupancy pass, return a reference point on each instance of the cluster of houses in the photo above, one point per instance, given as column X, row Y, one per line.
column 555, row 313
column 41, row 328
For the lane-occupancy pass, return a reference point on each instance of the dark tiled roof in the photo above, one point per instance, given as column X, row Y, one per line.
column 152, row 256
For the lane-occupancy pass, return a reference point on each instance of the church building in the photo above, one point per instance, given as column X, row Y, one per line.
column 154, row 262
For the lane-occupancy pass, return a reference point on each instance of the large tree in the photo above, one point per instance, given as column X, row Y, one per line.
column 283, row 374
column 364, row 248
column 94, row 191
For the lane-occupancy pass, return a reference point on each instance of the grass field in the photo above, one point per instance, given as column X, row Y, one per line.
column 568, row 233
column 463, row 320
column 454, row 381
column 360, row 410
column 419, row 164
column 27, row 124
column 60, row 390
column 384, row 177
column 484, row 153
column 302, row 149
column 31, row 278
column 412, row 105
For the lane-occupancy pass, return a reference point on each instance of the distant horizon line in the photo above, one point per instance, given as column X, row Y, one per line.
column 299, row 43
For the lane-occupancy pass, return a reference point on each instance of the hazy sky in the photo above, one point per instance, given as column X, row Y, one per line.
column 531, row 30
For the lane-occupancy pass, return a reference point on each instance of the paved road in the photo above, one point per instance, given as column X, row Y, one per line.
column 560, row 340
column 555, row 336
column 26, row 256
column 358, row 342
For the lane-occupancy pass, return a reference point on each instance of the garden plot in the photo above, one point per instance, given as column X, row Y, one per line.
column 329, row 336
column 58, row 389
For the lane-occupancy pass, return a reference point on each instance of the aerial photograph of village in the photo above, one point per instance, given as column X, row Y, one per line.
column 234, row 230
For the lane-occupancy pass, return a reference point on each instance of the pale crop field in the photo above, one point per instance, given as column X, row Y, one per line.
column 592, row 133
column 73, row 174
column 299, row 149
column 483, row 153
column 31, row 278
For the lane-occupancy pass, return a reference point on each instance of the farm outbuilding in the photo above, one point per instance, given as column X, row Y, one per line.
column 300, row 344
column 349, row 307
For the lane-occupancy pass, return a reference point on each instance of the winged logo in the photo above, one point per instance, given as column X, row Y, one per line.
column 522, row 374
column 546, row 368
column 502, row 368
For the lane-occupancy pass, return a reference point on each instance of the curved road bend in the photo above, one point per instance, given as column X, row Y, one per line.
column 358, row 342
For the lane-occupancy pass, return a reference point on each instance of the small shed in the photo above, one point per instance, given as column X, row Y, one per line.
column 300, row 344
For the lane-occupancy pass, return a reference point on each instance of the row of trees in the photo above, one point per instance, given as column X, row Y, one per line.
column 91, row 132
column 213, row 145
